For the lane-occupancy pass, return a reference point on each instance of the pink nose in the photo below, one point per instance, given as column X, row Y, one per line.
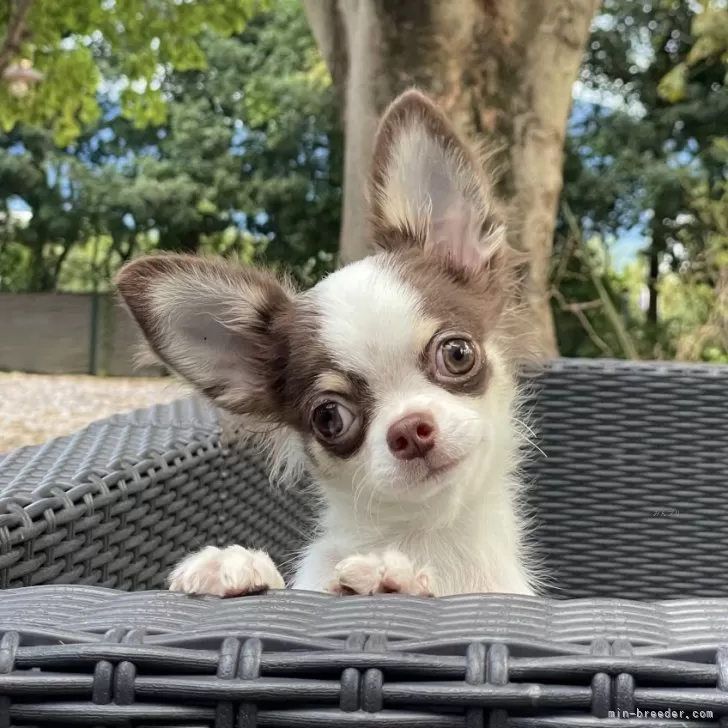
column 412, row 436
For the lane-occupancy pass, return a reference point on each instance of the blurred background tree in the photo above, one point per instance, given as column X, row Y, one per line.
column 246, row 161
column 644, row 158
column 501, row 69
column 66, row 40
column 239, row 151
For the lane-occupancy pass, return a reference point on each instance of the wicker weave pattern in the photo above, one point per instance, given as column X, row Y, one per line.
column 316, row 661
column 631, row 496
column 86, row 612
column 629, row 499
column 120, row 502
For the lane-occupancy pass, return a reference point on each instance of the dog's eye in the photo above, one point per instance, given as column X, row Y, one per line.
column 331, row 420
column 456, row 357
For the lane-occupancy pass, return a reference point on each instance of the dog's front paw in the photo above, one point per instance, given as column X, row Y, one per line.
column 229, row 572
column 390, row 573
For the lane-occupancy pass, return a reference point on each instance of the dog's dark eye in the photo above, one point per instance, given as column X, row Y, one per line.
column 331, row 420
column 456, row 357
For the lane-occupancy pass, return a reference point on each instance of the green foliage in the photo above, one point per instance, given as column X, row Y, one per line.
column 70, row 41
column 696, row 297
column 710, row 33
column 230, row 143
column 696, row 312
column 636, row 162
column 590, row 301
column 247, row 164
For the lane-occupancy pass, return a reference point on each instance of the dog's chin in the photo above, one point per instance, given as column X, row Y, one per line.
column 420, row 479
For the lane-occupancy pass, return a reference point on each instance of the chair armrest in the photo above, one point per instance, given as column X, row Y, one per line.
column 119, row 502
column 77, row 655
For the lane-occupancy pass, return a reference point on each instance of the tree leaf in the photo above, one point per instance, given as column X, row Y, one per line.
column 69, row 38
column 673, row 84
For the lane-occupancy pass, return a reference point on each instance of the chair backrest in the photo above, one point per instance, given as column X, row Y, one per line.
column 631, row 497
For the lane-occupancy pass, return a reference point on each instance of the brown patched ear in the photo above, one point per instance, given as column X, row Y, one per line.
column 218, row 325
column 428, row 189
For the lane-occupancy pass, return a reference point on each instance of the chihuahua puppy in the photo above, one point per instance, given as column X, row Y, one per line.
column 392, row 381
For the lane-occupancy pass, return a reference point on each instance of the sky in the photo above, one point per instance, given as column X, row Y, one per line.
column 625, row 249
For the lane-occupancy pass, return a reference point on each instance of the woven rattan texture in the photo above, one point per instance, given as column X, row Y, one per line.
column 118, row 503
column 631, row 494
column 297, row 660
column 629, row 497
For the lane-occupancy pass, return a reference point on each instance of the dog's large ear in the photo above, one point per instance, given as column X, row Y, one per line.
column 427, row 188
column 218, row 325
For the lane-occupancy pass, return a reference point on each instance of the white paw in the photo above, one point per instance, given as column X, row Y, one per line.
column 229, row 572
column 391, row 573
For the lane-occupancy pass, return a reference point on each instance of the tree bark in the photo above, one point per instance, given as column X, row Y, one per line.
column 653, row 277
column 503, row 71
column 15, row 34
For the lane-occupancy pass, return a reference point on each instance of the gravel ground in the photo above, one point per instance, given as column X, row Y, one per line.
column 36, row 407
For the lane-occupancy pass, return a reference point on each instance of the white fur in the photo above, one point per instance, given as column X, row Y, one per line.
column 462, row 531
column 390, row 571
column 387, row 522
column 372, row 321
column 233, row 571
column 463, row 525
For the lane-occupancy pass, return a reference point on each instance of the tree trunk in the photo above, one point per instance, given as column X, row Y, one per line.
column 16, row 31
column 653, row 278
column 40, row 277
column 503, row 71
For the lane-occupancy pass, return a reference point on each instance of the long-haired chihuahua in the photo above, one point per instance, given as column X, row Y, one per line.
column 392, row 382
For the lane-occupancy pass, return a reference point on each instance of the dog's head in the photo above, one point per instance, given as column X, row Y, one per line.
column 394, row 373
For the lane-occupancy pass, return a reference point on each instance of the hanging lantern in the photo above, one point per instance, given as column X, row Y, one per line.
column 21, row 76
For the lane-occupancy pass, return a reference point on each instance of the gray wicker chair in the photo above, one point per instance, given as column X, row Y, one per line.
column 632, row 518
